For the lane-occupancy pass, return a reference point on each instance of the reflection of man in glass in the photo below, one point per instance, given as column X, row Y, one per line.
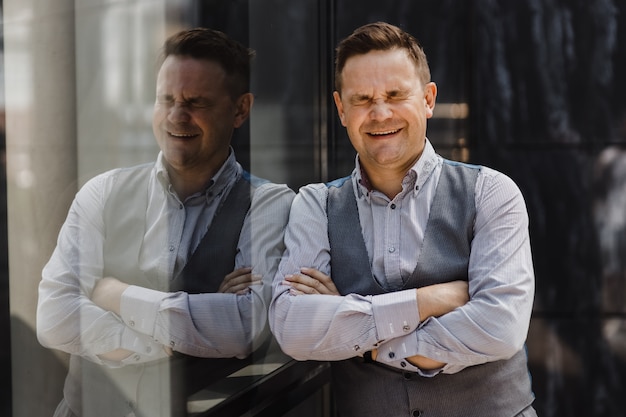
column 163, row 262
column 432, row 280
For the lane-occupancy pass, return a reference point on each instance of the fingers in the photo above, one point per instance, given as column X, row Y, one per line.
column 311, row 281
column 239, row 281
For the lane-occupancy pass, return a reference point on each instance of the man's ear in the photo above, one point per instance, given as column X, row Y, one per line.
column 339, row 105
column 243, row 107
column 430, row 96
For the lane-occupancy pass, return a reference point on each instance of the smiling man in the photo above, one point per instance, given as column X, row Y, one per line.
column 413, row 275
column 162, row 271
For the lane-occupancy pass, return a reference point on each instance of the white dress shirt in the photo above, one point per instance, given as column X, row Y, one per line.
column 205, row 325
column 493, row 325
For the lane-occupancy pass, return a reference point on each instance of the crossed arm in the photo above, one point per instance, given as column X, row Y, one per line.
column 432, row 301
column 107, row 294
column 81, row 313
column 487, row 322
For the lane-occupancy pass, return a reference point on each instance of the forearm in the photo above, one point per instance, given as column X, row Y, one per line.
column 322, row 327
column 205, row 325
column 330, row 327
column 71, row 323
column 432, row 301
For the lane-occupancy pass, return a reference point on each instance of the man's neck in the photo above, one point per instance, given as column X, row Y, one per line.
column 388, row 183
column 188, row 182
column 386, row 180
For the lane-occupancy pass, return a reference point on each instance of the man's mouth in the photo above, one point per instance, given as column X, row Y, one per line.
column 384, row 133
column 182, row 135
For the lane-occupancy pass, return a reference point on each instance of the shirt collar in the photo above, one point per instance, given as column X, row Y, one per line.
column 228, row 173
column 425, row 166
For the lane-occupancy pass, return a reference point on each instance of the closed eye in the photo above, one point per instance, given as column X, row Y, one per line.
column 360, row 100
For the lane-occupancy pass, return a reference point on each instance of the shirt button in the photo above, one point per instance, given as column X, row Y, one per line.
column 392, row 355
column 391, row 249
column 403, row 364
column 406, row 327
column 393, row 206
column 172, row 343
column 172, row 248
column 131, row 323
column 136, row 358
column 357, row 348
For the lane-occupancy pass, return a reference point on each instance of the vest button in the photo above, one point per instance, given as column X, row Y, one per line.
column 407, row 375
column 416, row 413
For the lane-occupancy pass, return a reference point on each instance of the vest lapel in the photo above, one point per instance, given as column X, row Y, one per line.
column 214, row 257
column 448, row 234
column 350, row 266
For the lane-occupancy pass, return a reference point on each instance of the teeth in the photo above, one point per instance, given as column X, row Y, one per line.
column 389, row 132
column 182, row 135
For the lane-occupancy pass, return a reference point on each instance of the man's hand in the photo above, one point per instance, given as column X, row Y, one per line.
column 107, row 294
column 439, row 299
column 311, row 281
column 239, row 281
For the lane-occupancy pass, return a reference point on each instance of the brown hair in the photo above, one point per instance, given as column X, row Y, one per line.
column 216, row 46
column 380, row 36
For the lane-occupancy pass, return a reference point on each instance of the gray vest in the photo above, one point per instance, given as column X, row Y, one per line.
column 157, row 389
column 498, row 389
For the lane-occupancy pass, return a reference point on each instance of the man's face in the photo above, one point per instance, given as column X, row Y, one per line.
column 384, row 106
column 194, row 114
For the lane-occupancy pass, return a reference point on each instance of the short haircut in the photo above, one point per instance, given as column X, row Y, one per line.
column 380, row 36
column 215, row 46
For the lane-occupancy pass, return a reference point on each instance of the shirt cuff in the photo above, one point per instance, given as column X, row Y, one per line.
column 394, row 353
column 139, row 307
column 145, row 349
column 395, row 314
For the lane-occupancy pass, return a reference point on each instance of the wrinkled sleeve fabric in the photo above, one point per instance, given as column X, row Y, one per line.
column 214, row 324
column 67, row 319
column 493, row 325
column 323, row 327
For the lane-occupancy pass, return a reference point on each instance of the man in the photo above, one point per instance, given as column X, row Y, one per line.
column 167, row 261
column 413, row 275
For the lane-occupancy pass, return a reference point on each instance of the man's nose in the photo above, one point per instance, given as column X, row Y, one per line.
column 179, row 112
column 380, row 110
